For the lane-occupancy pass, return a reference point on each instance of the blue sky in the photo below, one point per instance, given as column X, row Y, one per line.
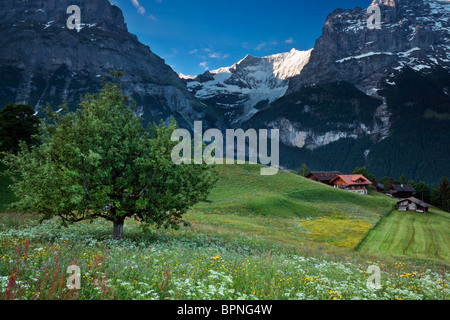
column 195, row 35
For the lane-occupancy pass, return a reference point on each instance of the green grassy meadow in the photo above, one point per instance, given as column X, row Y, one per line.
column 411, row 234
column 277, row 237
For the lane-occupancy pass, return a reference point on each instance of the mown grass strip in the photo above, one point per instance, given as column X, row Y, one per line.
column 410, row 234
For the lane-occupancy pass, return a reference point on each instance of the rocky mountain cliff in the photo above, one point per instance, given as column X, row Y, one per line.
column 42, row 61
column 414, row 33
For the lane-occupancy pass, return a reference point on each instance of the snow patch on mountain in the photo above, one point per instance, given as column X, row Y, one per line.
column 185, row 77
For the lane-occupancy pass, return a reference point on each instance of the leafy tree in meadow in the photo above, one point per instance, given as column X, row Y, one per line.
column 304, row 170
column 17, row 123
column 100, row 162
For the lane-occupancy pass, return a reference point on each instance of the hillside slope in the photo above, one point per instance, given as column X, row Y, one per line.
column 285, row 210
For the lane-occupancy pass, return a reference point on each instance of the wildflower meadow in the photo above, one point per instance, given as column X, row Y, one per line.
column 172, row 266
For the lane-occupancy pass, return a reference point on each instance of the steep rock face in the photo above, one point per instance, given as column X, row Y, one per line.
column 300, row 134
column 414, row 33
column 293, row 134
column 43, row 61
column 318, row 115
column 249, row 85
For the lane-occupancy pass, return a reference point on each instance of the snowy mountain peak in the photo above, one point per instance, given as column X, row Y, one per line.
column 285, row 65
column 290, row 64
column 249, row 84
column 389, row 3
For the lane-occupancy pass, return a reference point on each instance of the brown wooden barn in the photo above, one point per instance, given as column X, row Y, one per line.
column 324, row 177
column 402, row 191
column 413, row 204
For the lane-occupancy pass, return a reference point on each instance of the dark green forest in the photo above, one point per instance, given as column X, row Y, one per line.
column 419, row 146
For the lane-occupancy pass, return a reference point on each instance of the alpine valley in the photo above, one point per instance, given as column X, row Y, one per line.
column 378, row 98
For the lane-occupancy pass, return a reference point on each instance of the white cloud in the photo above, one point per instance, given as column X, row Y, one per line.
column 217, row 55
column 138, row 6
column 290, row 40
column 260, row 46
column 204, row 65
column 193, row 51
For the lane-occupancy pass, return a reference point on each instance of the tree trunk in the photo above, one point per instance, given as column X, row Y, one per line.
column 118, row 229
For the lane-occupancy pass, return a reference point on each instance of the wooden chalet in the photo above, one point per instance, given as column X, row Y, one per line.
column 402, row 191
column 380, row 187
column 356, row 183
column 323, row 177
column 413, row 204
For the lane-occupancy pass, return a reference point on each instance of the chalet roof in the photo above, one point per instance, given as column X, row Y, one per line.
column 403, row 188
column 324, row 175
column 380, row 186
column 416, row 201
column 351, row 179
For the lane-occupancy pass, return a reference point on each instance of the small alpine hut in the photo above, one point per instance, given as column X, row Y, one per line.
column 324, row 177
column 413, row 204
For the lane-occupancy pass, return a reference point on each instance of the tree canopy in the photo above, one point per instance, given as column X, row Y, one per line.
column 304, row 170
column 423, row 191
column 443, row 194
column 17, row 123
column 101, row 162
